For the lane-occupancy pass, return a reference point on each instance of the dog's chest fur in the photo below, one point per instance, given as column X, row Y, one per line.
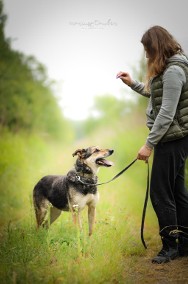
column 81, row 195
column 78, row 201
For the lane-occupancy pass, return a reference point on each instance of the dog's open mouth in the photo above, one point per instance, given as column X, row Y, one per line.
column 104, row 163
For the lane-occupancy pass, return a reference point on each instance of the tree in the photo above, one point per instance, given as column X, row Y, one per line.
column 27, row 101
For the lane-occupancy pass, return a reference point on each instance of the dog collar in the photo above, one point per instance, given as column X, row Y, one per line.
column 84, row 175
column 88, row 181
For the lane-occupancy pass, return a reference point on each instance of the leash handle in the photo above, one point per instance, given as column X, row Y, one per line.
column 144, row 209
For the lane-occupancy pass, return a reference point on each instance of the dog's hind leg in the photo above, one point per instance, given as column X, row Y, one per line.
column 41, row 213
column 54, row 214
column 91, row 218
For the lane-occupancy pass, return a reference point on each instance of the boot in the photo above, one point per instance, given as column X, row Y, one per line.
column 168, row 252
column 183, row 246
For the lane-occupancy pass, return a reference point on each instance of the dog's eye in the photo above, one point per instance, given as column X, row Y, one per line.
column 97, row 150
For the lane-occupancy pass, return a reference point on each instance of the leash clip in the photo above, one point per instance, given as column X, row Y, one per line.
column 78, row 177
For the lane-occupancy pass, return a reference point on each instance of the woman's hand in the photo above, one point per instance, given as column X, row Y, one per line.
column 125, row 77
column 144, row 153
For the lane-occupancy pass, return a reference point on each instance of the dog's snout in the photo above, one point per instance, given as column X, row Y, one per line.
column 111, row 151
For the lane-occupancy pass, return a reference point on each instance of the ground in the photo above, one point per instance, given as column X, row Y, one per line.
column 144, row 271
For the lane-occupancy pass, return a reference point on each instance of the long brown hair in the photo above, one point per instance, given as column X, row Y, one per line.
column 159, row 45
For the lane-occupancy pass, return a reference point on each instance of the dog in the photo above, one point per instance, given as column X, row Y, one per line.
column 71, row 192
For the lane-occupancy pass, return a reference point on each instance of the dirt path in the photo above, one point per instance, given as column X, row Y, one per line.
column 141, row 270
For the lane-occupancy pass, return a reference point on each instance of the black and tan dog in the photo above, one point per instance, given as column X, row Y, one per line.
column 71, row 192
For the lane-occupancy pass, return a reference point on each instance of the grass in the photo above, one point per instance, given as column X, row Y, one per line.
column 63, row 254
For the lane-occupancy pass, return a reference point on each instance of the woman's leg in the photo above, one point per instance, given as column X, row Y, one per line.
column 162, row 188
column 181, row 197
column 167, row 193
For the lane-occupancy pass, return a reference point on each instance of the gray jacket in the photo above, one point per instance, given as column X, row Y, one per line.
column 173, row 80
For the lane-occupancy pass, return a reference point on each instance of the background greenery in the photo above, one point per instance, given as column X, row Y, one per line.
column 36, row 140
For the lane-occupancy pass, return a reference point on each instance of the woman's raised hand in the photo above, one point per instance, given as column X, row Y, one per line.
column 125, row 77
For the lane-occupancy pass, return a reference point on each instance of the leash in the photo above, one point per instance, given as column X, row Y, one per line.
column 177, row 229
column 146, row 196
column 144, row 208
column 115, row 177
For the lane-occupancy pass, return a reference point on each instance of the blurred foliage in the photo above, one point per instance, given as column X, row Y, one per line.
column 109, row 109
column 139, row 72
column 24, row 160
column 106, row 110
column 27, row 101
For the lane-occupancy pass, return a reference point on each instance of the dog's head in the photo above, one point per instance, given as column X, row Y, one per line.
column 94, row 157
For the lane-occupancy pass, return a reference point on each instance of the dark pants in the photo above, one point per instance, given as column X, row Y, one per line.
column 169, row 195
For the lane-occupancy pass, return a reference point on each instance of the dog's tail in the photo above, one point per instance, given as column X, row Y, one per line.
column 41, row 204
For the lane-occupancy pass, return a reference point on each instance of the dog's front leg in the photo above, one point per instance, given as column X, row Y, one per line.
column 77, row 219
column 91, row 218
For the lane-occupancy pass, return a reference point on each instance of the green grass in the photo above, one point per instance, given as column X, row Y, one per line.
column 63, row 254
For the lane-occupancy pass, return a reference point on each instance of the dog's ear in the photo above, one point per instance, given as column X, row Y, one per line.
column 79, row 152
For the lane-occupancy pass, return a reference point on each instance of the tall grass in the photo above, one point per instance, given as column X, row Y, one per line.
column 23, row 160
column 63, row 254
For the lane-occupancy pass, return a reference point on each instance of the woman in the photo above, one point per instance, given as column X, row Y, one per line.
column 167, row 119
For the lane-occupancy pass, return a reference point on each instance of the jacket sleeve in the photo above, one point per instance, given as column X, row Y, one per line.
column 139, row 88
